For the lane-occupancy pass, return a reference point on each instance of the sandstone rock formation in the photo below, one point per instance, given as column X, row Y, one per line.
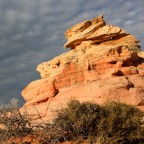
column 104, row 64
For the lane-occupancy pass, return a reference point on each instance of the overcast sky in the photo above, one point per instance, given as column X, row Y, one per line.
column 31, row 32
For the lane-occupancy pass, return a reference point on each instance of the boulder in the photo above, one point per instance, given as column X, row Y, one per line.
column 104, row 64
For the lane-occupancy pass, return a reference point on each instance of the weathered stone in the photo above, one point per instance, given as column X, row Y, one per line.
column 104, row 64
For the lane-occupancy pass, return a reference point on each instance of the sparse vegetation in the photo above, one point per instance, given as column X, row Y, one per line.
column 13, row 122
column 113, row 123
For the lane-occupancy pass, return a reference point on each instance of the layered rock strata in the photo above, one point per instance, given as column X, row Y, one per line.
column 104, row 64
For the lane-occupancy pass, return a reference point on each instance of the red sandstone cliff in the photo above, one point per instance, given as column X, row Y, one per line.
column 104, row 64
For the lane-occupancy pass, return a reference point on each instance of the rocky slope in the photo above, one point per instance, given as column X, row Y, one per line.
column 104, row 64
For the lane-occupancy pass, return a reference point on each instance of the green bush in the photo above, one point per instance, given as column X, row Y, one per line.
column 110, row 124
column 79, row 119
column 121, row 123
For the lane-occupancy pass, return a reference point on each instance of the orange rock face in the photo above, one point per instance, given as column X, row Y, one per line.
column 104, row 64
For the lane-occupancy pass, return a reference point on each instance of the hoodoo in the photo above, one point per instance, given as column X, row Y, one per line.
column 104, row 64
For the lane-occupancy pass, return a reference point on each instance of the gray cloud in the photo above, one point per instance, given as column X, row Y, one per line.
column 31, row 31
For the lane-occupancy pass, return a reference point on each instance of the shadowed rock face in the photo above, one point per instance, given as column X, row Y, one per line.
column 104, row 64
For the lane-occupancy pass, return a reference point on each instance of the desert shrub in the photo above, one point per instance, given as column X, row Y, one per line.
column 113, row 123
column 78, row 120
column 15, row 124
column 121, row 123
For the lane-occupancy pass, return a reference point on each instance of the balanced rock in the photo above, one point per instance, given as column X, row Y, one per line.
column 104, row 64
